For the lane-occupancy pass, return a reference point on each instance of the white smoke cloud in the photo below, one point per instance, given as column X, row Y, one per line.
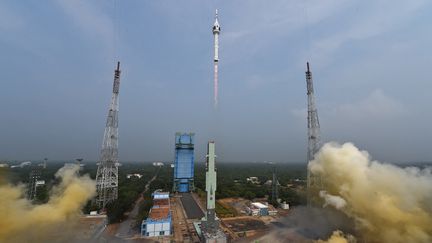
column 388, row 203
column 334, row 201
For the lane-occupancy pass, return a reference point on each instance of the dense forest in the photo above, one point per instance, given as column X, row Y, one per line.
column 232, row 182
column 130, row 189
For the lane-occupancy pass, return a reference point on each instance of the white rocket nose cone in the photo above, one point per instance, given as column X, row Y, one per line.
column 216, row 26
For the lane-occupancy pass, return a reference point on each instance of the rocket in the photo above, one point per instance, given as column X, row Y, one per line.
column 216, row 31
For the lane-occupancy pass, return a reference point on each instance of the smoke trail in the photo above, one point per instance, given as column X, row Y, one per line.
column 20, row 221
column 388, row 203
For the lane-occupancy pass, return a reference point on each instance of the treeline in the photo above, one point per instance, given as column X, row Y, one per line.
column 232, row 181
column 129, row 189
column 163, row 181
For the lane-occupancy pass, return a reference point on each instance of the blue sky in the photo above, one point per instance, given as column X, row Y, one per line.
column 370, row 62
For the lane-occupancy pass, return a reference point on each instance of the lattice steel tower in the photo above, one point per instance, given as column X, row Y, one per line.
column 314, row 183
column 35, row 175
column 107, row 172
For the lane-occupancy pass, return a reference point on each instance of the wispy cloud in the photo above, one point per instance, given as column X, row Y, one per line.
column 376, row 106
column 259, row 24
column 9, row 19
column 366, row 24
column 280, row 17
column 90, row 19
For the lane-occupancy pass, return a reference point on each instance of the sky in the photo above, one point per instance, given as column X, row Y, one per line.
column 370, row 62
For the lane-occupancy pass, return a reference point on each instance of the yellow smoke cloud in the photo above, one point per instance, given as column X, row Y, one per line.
column 20, row 221
column 338, row 237
column 388, row 203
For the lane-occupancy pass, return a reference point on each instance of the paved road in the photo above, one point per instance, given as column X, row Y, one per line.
column 127, row 227
column 191, row 207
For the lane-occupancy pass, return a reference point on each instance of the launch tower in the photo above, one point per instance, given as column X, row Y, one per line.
column 216, row 32
column 211, row 232
column 314, row 183
column 107, row 172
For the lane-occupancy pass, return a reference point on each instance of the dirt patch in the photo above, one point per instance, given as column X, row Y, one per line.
column 245, row 226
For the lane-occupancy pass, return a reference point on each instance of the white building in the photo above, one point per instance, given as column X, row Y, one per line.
column 253, row 179
column 159, row 220
column 40, row 182
column 284, row 205
column 133, row 175
column 258, row 209
column 158, row 164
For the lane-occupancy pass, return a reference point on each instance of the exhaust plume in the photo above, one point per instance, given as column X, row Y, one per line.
column 387, row 203
column 334, row 201
column 303, row 224
column 20, row 221
column 339, row 237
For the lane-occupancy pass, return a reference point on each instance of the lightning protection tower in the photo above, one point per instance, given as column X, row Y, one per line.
column 314, row 182
column 35, row 175
column 107, row 172
column 274, row 186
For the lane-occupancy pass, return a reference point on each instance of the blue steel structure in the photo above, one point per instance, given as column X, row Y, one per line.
column 184, row 162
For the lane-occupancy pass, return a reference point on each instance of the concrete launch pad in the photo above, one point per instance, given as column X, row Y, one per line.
column 193, row 211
